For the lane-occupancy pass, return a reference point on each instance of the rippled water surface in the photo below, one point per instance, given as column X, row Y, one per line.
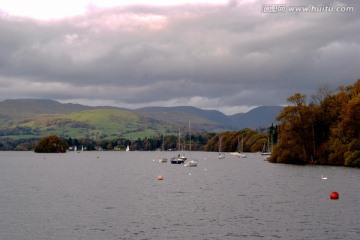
column 116, row 195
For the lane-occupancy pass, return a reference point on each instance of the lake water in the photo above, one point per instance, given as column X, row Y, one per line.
column 116, row 195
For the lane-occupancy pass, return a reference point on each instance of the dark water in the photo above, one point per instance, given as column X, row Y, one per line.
column 116, row 195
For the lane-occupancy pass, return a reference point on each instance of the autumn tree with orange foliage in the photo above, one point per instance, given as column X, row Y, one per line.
column 324, row 131
column 51, row 144
column 245, row 140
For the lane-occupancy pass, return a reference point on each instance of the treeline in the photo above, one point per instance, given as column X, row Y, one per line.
column 25, row 144
column 18, row 131
column 160, row 142
column 246, row 140
column 167, row 142
column 324, row 130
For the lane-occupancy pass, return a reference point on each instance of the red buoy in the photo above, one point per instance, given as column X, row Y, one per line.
column 160, row 177
column 334, row 195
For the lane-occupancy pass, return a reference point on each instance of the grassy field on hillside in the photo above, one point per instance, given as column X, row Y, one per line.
column 96, row 124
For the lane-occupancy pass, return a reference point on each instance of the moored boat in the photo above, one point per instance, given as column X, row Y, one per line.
column 190, row 163
column 180, row 159
column 162, row 160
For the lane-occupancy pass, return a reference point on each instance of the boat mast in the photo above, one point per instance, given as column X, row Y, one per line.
column 242, row 143
column 219, row 144
column 190, row 136
column 238, row 145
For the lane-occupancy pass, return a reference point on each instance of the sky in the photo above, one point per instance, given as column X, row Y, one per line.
column 229, row 56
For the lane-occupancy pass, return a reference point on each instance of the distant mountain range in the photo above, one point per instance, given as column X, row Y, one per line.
column 260, row 117
column 36, row 117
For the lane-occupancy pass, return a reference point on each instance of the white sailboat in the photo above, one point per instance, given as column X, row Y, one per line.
column 162, row 159
column 127, row 148
column 220, row 155
column 190, row 162
column 242, row 154
column 237, row 153
column 266, row 152
column 266, row 149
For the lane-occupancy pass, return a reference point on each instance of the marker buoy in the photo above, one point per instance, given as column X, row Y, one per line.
column 160, row 177
column 334, row 195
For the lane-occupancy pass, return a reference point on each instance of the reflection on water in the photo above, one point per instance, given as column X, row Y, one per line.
column 116, row 195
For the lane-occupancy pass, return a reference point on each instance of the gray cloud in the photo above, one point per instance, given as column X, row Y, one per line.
column 229, row 57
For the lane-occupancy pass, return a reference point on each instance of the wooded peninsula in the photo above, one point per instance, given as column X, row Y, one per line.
column 324, row 130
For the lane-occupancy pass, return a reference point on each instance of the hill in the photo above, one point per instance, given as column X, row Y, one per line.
column 262, row 116
column 96, row 123
column 24, row 118
column 212, row 120
column 206, row 120
column 37, row 106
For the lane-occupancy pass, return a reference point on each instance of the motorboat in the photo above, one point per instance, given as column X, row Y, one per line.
column 180, row 159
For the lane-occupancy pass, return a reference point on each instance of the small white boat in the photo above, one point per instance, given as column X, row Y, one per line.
column 190, row 163
column 237, row 154
column 127, row 148
column 266, row 153
column 162, row 160
column 221, row 156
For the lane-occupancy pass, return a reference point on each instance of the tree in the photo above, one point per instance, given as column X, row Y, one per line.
column 295, row 132
column 325, row 131
column 51, row 144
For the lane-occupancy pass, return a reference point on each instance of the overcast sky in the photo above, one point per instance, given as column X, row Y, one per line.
column 224, row 55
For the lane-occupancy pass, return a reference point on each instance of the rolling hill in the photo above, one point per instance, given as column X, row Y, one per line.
column 212, row 120
column 25, row 118
column 206, row 120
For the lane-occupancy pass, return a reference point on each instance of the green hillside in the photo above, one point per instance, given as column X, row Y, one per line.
column 35, row 118
column 96, row 124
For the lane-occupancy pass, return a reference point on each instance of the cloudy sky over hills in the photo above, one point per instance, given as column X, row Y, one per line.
column 224, row 55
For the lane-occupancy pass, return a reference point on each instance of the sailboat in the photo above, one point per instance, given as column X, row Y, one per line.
column 220, row 155
column 163, row 159
column 190, row 162
column 127, row 148
column 242, row 154
column 237, row 153
column 266, row 149
column 180, row 159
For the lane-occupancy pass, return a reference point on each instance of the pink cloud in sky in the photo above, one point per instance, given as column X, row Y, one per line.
column 45, row 9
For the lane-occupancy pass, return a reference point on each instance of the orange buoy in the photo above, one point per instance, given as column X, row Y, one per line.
column 334, row 195
column 160, row 177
